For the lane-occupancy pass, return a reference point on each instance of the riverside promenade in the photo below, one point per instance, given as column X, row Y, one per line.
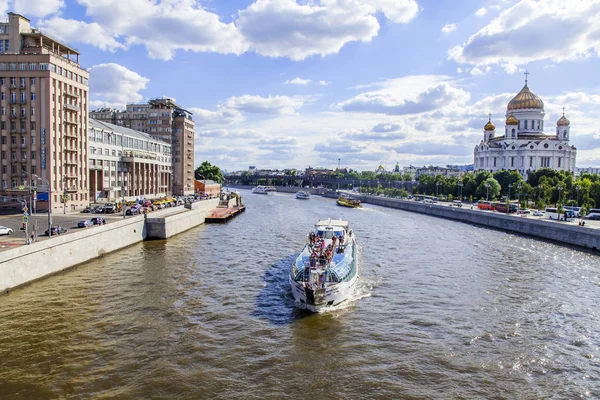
column 25, row 263
column 587, row 237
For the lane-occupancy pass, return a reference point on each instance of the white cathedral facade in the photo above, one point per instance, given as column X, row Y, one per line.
column 523, row 146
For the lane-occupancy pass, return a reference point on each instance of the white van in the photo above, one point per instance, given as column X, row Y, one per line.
column 552, row 213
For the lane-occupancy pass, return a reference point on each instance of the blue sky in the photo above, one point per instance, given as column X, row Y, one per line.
column 298, row 83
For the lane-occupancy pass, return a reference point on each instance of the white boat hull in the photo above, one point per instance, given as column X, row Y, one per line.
column 318, row 299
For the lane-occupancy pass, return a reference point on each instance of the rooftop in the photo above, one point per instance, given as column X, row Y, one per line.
column 95, row 124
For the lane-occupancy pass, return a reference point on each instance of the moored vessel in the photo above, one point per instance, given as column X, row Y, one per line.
column 325, row 272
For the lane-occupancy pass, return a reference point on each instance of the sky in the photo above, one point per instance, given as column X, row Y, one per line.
column 359, row 83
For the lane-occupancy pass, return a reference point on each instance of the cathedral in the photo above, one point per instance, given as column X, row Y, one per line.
column 523, row 146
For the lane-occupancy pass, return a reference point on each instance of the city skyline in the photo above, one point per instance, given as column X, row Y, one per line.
column 309, row 82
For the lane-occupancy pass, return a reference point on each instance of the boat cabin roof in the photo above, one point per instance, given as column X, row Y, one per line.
column 332, row 222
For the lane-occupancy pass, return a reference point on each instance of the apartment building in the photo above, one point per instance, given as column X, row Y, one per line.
column 43, row 116
column 125, row 163
column 163, row 119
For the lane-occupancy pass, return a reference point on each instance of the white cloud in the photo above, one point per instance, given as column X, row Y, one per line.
column 219, row 117
column 297, row 81
column 531, row 30
column 324, row 83
column 480, row 71
column 408, row 95
column 113, row 85
column 37, row 8
column 448, row 28
column 481, row 12
column 81, row 32
column 274, row 28
column 265, row 105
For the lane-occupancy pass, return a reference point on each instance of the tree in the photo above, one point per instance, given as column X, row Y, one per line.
column 208, row 171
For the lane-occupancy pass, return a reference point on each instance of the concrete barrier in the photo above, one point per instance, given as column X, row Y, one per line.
column 25, row 264
column 550, row 230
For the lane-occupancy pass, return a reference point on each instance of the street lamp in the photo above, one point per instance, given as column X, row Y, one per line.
column 487, row 191
column 437, row 189
column 338, row 175
column 519, row 186
column 508, row 198
column 49, row 202
column 577, row 188
column 559, row 188
column 460, row 186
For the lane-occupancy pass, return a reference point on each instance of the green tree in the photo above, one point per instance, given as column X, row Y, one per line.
column 208, row 171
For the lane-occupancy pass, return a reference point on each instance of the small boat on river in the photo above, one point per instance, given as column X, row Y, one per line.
column 303, row 195
column 346, row 201
column 325, row 272
column 260, row 190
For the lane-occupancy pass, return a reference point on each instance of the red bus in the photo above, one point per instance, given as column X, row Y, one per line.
column 486, row 205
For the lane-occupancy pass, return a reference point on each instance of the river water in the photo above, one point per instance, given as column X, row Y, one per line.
column 443, row 310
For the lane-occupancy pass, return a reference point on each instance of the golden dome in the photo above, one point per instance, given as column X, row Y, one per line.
column 563, row 121
column 525, row 99
column 511, row 120
column 489, row 126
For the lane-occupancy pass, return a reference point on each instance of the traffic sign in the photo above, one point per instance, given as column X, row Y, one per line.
column 25, row 218
column 25, row 209
column 21, row 187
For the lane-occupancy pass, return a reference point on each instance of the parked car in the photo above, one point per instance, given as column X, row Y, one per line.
column 525, row 211
column 99, row 210
column 109, row 208
column 132, row 211
column 84, row 223
column 56, row 230
column 5, row 231
column 538, row 213
column 98, row 221
column 87, row 210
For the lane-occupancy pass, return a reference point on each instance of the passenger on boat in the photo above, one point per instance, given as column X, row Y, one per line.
column 322, row 280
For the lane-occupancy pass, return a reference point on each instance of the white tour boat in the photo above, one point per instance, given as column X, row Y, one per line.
column 326, row 271
column 303, row 195
column 260, row 190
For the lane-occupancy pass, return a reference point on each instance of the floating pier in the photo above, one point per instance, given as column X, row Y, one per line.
column 224, row 212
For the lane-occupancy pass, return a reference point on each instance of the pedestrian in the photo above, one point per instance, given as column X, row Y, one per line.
column 32, row 237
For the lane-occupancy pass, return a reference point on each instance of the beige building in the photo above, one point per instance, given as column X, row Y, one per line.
column 161, row 118
column 44, row 104
column 124, row 163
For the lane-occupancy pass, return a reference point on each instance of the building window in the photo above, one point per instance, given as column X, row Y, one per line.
column 513, row 133
column 494, row 161
column 559, row 163
column 32, row 81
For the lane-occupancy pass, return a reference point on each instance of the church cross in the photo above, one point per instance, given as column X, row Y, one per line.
column 526, row 73
column 490, row 115
column 563, row 111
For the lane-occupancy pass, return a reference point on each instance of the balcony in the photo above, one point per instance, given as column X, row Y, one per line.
column 23, row 145
column 13, row 115
column 71, row 135
column 14, row 145
column 22, row 85
column 70, row 122
column 71, row 149
column 71, row 94
column 71, row 189
column 71, row 107
column 12, row 86
column 12, row 101
column 95, row 167
column 71, row 162
column 23, row 116
column 23, row 101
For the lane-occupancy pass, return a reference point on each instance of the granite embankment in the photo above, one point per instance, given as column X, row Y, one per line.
column 550, row 230
column 24, row 264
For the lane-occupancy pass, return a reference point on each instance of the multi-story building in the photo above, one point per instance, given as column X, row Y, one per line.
column 43, row 115
column 161, row 118
column 125, row 163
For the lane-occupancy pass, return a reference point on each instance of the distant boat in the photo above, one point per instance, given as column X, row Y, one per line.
column 260, row 190
column 303, row 195
column 346, row 201
column 326, row 271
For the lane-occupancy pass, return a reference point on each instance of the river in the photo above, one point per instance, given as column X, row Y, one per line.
column 443, row 310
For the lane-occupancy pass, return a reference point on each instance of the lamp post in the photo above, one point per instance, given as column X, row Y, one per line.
column 487, row 191
column 559, row 188
column 460, row 186
column 508, row 198
column 338, row 175
column 577, row 188
column 49, row 202
column 437, row 189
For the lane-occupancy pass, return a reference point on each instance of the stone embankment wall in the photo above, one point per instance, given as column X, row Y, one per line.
column 544, row 229
column 28, row 263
